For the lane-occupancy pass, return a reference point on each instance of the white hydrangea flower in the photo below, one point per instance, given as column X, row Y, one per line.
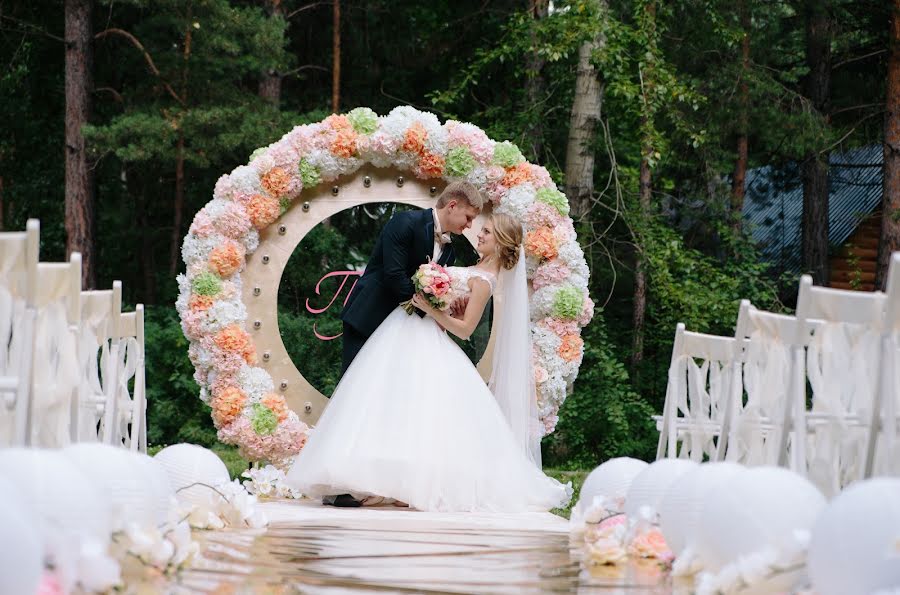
column 222, row 313
column 255, row 382
column 542, row 301
column 517, row 200
column 245, row 180
column 184, row 293
column 251, row 241
column 196, row 250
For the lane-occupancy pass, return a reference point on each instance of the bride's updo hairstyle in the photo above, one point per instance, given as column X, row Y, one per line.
column 508, row 235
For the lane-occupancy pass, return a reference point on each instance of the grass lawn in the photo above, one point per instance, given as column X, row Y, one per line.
column 236, row 465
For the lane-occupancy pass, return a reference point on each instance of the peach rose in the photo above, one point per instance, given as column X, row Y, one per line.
column 276, row 404
column 414, row 140
column 236, row 340
column 263, row 210
column 431, row 165
column 200, row 303
column 650, row 544
column 571, row 347
column 276, row 181
column 541, row 243
column 518, row 174
column 227, row 405
column 226, row 259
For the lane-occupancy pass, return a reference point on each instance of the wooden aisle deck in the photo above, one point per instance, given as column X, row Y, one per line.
column 309, row 548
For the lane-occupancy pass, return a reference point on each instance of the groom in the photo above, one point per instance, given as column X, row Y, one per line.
column 409, row 239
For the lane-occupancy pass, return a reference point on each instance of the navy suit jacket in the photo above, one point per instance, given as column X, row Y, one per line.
column 405, row 243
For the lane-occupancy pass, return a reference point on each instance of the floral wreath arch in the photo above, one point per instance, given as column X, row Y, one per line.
column 247, row 408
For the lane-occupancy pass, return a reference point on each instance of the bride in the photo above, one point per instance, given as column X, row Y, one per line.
column 413, row 421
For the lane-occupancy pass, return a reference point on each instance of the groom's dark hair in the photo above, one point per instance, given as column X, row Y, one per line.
column 462, row 191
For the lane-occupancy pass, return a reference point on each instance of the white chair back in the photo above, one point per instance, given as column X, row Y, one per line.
column 131, row 404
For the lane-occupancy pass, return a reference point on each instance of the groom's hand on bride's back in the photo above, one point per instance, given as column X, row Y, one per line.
column 458, row 307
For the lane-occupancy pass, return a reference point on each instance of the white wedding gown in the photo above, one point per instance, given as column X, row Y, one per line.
column 413, row 420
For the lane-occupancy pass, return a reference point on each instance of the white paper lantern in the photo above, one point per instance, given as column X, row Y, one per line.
column 195, row 466
column 116, row 472
column 682, row 504
column 650, row 485
column 762, row 509
column 22, row 556
column 855, row 545
column 610, row 481
column 163, row 495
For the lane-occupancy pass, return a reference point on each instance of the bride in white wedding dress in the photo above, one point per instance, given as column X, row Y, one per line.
column 412, row 419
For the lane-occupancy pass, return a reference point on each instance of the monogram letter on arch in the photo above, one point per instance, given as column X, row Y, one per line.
column 240, row 242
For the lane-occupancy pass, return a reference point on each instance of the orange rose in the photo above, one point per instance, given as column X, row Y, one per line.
column 200, row 303
column 263, row 210
column 431, row 165
column 277, row 405
column 276, row 181
column 414, row 141
column 227, row 405
column 517, row 174
column 541, row 243
column 226, row 259
column 235, row 339
column 571, row 347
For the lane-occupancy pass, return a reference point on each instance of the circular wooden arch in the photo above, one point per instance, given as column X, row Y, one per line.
column 262, row 275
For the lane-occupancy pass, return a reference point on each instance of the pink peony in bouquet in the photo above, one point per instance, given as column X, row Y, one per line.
column 433, row 281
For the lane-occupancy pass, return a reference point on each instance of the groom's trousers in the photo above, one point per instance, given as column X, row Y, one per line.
column 353, row 341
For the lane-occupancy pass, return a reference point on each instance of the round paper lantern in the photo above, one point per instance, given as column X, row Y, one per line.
column 682, row 504
column 650, row 485
column 62, row 497
column 195, row 466
column 22, row 557
column 610, row 480
column 163, row 496
column 116, row 472
column 855, row 545
column 759, row 509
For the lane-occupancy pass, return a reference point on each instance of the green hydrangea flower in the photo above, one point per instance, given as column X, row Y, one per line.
column 555, row 199
column 568, row 302
column 309, row 174
column 257, row 153
column 364, row 120
column 507, row 154
column 207, row 284
column 263, row 420
column 459, row 162
column 285, row 203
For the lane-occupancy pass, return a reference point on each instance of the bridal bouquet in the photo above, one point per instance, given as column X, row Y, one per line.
column 433, row 281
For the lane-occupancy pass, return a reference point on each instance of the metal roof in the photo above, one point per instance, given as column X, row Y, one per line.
column 773, row 203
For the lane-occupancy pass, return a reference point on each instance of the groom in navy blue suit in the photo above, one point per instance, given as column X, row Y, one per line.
column 410, row 239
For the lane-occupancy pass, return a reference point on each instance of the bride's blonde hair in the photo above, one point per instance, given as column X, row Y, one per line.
column 508, row 235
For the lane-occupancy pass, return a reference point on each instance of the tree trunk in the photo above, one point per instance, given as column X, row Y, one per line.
column 645, row 191
column 815, row 165
column 890, row 220
column 534, row 83
column 336, row 57
column 2, row 205
column 582, row 130
column 79, row 175
column 137, row 190
column 740, row 166
column 178, row 207
column 270, row 81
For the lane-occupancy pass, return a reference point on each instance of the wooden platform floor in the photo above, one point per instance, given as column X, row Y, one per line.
column 309, row 548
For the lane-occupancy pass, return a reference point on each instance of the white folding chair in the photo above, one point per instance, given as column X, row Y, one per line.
column 773, row 377
column 19, row 253
column 843, row 367
column 99, row 364
column 883, row 448
column 55, row 382
column 696, row 395
column 131, row 405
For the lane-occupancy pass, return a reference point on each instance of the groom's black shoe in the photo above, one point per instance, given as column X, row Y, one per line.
column 341, row 500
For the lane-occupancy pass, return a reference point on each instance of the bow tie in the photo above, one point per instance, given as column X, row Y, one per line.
column 442, row 238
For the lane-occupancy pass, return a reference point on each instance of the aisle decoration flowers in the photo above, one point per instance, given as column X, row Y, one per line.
column 254, row 196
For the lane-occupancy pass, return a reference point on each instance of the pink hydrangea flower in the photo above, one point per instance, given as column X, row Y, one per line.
column 550, row 273
column 234, row 222
column 587, row 313
column 540, row 214
column 224, row 187
column 561, row 327
column 202, row 225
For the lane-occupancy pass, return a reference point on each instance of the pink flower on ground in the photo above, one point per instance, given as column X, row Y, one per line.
column 651, row 544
